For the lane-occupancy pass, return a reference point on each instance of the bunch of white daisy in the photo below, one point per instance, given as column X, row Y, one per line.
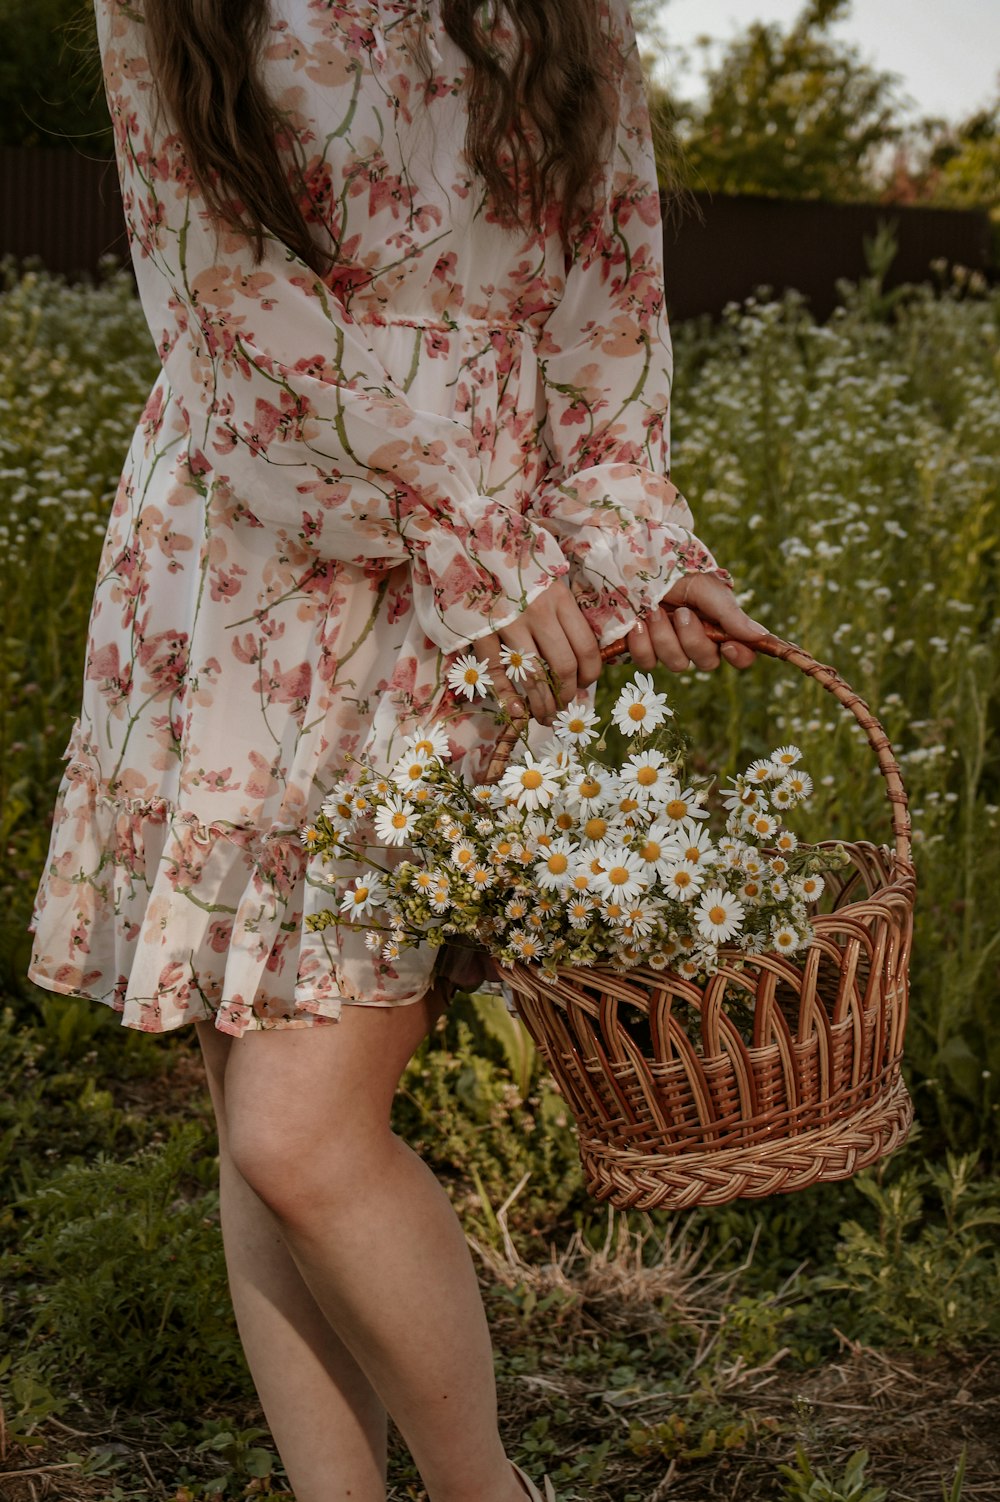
column 568, row 861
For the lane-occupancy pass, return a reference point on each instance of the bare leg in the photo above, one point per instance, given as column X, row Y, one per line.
column 327, row 1421
column 374, row 1236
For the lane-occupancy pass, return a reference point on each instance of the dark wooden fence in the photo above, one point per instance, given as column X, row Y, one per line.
column 65, row 209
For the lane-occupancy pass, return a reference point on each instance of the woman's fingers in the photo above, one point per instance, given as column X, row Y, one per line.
column 509, row 696
column 690, row 632
column 582, row 641
column 669, row 650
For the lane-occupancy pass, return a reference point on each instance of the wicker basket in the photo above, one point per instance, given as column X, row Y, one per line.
column 765, row 1079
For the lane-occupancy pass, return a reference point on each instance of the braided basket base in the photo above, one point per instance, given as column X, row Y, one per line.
column 650, row 1181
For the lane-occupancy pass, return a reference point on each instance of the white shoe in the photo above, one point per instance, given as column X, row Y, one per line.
column 534, row 1495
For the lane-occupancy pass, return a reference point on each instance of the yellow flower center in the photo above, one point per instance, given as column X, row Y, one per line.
column 676, row 808
column 557, row 863
column 425, row 747
column 596, row 828
column 637, row 711
column 618, row 875
column 651, row 850
column 581, row 881
column 471, row 675
column 751, row 888
column 577, row 726
column 360, row 894
column 564, row 821
column 762, row 825
column 647, row 776
column 463, row 855
column 399, row 821
column 717, row 914
column 531, row 778
column 590, row 787
column 614, row 909
column 682, row 879
column 627, row 805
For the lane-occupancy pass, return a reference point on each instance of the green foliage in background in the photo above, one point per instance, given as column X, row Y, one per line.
column 791, row 113
column 51, row 92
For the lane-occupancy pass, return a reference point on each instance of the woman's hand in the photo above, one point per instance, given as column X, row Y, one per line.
column 678, row 639
column 554, row 628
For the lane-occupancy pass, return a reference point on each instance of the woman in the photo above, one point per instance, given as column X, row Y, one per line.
column 402, row 263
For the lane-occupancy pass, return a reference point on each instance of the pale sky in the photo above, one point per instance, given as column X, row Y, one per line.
column 946, row 51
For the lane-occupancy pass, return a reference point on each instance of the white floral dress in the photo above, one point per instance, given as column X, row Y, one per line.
column 334, row 487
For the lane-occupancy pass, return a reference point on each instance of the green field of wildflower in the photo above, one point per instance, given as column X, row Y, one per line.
column 849, row 476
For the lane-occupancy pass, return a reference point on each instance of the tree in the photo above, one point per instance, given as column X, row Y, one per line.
column 50, row 77
column 792, row 114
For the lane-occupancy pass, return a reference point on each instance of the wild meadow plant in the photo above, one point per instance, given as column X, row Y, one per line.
column 76, row 366
column 848, row 474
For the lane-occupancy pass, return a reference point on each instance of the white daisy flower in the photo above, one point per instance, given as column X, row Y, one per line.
column 778, row 865
column 468, row 676
column 613, row 912
column 639, row 920
column 441, row 899
column 517, row 664
column 785, row 939
column 752, row 863
column 657, row 960
column 479, row 876
column 394, row 821
column 530, row 784
column 575, row 724
column 760, row 825
column 484, row 826
column 639, row 707
column 648, row 775
column 695, row 844
column 528, row 946
column 762, row 771
column 742, row 794
column 517, row 908
column 309, row 836
column 431, row 741
column 554, row 870
column 463, row 853
column 410, row 770
column 390, row 950
column 658, row 847
column 777, row 888
column 683, row 805
column 752, row 891
column 590, row 788
column 598, row 827
column 373, row 939
column 367, row 892
column 782, row 797
column 785, row 757
column 718, row 915
column 809, row 888
column 625, row 875
column 785, row 841
column 337, row 809
column 485, row 792
column 799, row 784
column 579, row 911
column 683, row 881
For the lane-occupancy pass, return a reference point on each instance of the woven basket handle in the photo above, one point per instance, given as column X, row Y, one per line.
column 773, row 646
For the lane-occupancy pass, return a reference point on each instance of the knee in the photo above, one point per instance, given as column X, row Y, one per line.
column 305, row 1171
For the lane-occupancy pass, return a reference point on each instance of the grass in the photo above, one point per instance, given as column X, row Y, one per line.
column 824, row 1345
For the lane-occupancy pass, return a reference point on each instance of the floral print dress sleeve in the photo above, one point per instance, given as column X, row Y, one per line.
column 287, row 404
column 606, row 369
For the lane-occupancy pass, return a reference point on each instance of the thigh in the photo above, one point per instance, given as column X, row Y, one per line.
column 294, row 1083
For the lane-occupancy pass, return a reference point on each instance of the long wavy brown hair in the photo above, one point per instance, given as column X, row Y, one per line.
column 540, row 110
